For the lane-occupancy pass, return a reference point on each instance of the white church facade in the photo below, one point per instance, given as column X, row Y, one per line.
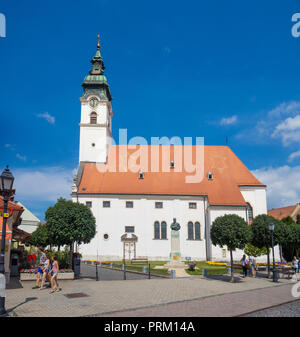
column 135, row 192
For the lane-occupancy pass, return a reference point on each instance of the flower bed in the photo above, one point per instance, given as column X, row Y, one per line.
column 30, row 274
column 215, row 263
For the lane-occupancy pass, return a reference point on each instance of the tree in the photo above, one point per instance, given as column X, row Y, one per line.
column 261, row 236
column 231, row 231
column 289, row 237
column 40, row 237
column 70, row 222
column 251, row 250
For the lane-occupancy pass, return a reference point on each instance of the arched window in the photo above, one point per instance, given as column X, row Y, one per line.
column 197, row 231
column 190, row 231
column 93, row 118
column 194, row 232
column 156, row 230
column 163, row 228
column 160, row 230
column 249, row 212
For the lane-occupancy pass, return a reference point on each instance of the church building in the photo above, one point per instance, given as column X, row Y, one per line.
column 135, row 207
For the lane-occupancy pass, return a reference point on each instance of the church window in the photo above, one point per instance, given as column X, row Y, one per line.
column 192, row 205
column 163, row 227
column 156, row 230
column 190, row 231
column 93, row 118
column 129, row 204
column 197, row 231
column 158, row 204
column 88, row 204
column 129, row 229
column 249, row 212
column 106, row 204
column 160, row 230
column 194, row 232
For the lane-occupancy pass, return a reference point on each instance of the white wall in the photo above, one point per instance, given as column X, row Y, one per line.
column 257, row 198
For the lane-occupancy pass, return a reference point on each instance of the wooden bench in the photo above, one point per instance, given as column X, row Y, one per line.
column 286, row 271
column 141, row 260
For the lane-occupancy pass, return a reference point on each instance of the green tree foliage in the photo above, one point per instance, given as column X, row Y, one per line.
column 40, row 237
column 262, row 236
column 288, row 220
column 70, row 222
column 232, row 231
column 251, row 250
column 290, row 238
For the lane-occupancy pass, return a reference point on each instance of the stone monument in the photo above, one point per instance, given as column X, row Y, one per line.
column 175, row 255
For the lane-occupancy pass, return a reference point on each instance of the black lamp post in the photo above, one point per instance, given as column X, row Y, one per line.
column 271, row 229
column 6, row 183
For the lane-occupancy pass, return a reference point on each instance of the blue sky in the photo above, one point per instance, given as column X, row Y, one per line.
column 211, row 69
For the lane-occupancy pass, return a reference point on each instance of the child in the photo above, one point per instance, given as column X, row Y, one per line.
column 54, row 282
column 46, row 270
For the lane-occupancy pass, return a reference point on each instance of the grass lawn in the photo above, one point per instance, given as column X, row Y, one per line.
column 211, row 270
column 139, row 266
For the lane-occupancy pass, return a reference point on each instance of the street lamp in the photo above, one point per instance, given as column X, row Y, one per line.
column 271, row 229
column 6, row 184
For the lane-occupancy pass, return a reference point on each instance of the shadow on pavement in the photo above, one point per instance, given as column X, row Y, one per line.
column 14, row 283
column 28, row 299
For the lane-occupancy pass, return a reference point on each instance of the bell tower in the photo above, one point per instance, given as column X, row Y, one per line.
column 96, row 113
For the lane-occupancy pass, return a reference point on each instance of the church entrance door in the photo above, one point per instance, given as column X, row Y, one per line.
column 129, row 246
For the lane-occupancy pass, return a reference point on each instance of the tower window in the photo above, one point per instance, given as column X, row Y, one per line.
column 158, row 204
column 129, row 204
column 88, row 204
column 93, row 118
column 192, row 205
column 106, row 204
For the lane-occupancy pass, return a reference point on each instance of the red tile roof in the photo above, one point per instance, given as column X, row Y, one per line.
column 283, row 212
column 228, row 174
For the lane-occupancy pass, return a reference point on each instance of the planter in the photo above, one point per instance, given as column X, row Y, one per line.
column 32, row 277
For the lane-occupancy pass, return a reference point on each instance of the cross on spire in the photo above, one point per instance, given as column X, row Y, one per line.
column 98, row 45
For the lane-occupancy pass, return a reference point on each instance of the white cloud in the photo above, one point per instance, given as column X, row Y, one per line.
column 293, row 155
column 23, row 158
column 283, row 185
column 50, row 119
column 43, row 184
column 288, row 130
column 229, row 120
column 281, row 122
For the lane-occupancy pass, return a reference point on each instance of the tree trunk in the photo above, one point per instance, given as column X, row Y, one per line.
column 58, row 248
column 231, row 263
column 268, row 263
column 71, row 256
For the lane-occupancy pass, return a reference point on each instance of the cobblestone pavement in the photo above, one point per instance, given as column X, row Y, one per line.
column 161, row 297
column 285, row 310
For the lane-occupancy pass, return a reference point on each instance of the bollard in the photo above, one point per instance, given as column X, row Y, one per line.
column 2, row 294
column 204, row 272
column 100, row 265
column 229, row 271
column 97, row 276
column 124, row 271
column 144, row 270
column 110, row 265
column 149, row 275
column 173, row 273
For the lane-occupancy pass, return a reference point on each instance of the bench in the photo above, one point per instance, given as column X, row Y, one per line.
column 141, row 260
column 286, row 271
